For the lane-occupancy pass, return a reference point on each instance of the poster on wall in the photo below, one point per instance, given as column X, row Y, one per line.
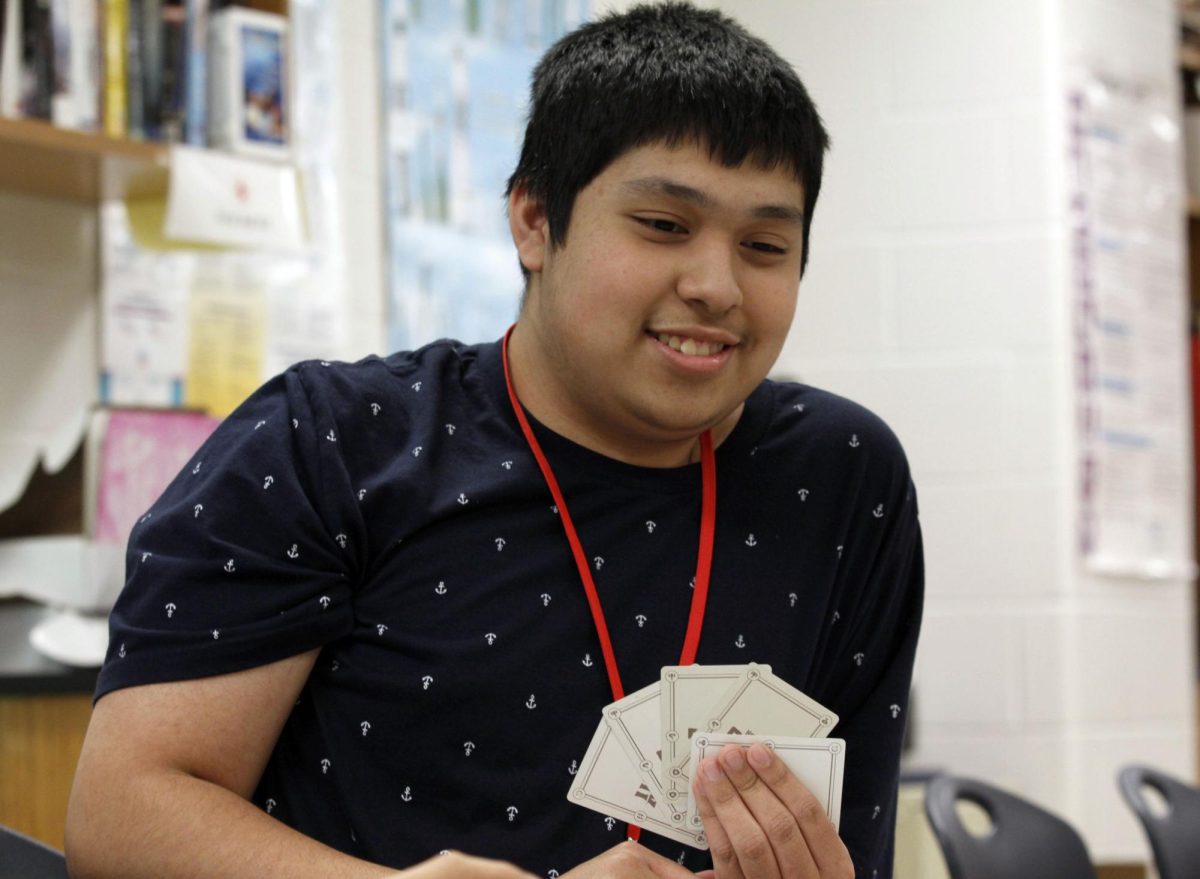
column 455, row 87
column 203, row 326
column 1127, row 209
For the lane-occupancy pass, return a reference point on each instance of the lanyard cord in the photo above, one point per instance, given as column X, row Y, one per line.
column 708, row 521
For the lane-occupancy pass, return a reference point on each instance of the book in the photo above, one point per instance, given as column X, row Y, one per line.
column 37, row 60
column 174, row 72
column 85, row 67
column 196, row 72
column 62, row 101
column 149, row 64
column 116, row 95
column 135, row 105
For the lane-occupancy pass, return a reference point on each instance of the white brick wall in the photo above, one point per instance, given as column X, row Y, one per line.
column 938, row 295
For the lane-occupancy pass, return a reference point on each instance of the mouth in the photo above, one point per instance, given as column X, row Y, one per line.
column 689, row 346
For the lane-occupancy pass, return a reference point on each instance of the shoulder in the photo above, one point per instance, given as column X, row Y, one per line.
column 402, row 379
column 820, row 420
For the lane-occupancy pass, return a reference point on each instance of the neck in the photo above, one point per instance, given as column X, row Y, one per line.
column 620, row 445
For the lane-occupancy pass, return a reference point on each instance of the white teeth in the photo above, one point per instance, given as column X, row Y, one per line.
column 691, row 347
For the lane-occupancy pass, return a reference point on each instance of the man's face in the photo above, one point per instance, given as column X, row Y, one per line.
column 668, row 303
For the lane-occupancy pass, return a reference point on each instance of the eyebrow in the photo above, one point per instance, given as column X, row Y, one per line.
column 700, row 198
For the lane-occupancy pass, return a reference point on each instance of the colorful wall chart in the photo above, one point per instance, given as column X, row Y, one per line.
column 455, row 86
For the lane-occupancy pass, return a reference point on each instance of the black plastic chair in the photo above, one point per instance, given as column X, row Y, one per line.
column 1175, row 836
column 1024, row 841
column 22, row 857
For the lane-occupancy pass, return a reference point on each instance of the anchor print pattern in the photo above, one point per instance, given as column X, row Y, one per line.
column 474, row 490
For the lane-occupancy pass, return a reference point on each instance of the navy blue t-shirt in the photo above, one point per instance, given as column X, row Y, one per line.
column 390, row 513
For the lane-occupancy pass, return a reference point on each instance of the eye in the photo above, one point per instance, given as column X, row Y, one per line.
column 766, row 247
column 659, row 224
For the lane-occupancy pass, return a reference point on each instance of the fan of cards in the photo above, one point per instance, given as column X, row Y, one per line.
column 638, row 767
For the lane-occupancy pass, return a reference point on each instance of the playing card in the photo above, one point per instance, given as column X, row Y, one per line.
column 818, row 763
column 610, row 784
column 765, row 704
column 634, row 722
column 689, row 693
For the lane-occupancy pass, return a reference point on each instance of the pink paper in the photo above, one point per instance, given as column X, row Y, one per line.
column 141, row 453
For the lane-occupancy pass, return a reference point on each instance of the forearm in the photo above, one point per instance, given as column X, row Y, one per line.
column 168, row 824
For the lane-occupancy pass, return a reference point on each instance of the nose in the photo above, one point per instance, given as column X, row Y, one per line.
column 708, row 279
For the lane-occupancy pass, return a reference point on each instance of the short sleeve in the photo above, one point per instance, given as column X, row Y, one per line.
column 874, row 665
column 249, row 556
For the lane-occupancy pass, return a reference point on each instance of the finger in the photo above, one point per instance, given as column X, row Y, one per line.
column 821, row 838
column 720, row 846
column 781, row 827
column 747, row 838
column 631, row 859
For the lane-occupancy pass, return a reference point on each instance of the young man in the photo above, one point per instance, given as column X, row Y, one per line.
column 355, row 630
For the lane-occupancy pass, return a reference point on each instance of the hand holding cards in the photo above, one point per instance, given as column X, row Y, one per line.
column 639, row 764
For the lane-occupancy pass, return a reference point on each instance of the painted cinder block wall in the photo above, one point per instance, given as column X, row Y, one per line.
column 938, row 294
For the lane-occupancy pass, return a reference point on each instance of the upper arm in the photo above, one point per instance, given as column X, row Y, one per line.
column 221, row 729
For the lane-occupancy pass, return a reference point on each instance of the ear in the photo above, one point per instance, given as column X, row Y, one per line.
column 530, row 228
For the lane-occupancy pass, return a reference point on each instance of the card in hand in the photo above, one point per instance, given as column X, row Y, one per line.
column 689, row 695
column 610, row 784
column 765, row 704
column 634, row 722
column 817, row 763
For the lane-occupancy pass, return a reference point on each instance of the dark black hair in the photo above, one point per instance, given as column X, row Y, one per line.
column 663, row 73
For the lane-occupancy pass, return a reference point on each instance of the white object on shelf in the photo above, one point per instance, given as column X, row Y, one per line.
column 62, row 571
column 71, row 638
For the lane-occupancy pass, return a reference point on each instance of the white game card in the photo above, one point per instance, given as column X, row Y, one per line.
column 634, row 722
column 818, row 763
column 764, row 704
column 610, row 784
column 689, row 693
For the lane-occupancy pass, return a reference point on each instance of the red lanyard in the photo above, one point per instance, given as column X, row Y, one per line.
column 708, row 521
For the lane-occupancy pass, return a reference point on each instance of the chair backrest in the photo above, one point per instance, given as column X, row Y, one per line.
column 24, row 858
column 1024, row 841
column 1174, row 836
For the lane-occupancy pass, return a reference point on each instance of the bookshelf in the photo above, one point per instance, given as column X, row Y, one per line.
column 39, row 159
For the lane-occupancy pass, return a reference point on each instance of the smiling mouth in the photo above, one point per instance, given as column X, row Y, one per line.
column 690, row 347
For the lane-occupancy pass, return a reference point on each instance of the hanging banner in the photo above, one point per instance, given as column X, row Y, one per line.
column 1127, row 201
